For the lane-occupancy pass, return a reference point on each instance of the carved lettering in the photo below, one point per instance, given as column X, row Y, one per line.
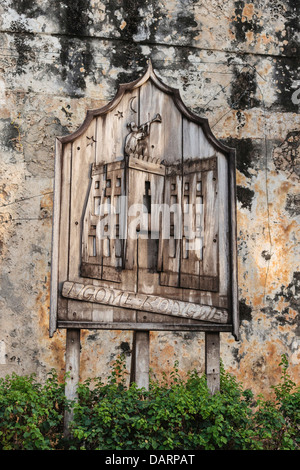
column 102, row 292
column 147, row 303
column 87, row 294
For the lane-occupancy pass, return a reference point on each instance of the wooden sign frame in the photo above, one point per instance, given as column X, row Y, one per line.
column 145, row 143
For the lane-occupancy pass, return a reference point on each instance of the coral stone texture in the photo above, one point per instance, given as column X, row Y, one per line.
column 235, row 63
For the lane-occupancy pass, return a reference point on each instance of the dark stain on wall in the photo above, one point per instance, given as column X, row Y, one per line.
column 248, row 153
column 292, row 205
column 93, row 337
column 286, row 155
column 23, row 47
column 241, row 24
column 132, row 16
column 28, row 8
column 245, row 197
column 286, row 74
column 125, row 348
column 128, row 56
column 77, row 63
column 266, row 255
column 245, row 311
column 73, row 17
column 288, row 36
column 243, row 89
column 186, row 22
column 291, row 295
column 9, row 134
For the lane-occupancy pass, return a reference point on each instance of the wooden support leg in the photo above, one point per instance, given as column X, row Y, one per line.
column 72, row 366
column 212, row 361
column 140, row 359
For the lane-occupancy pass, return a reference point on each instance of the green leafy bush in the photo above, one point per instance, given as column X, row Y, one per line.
column 175, row 414
column 31, row 414
column 181, row 414
column 278, row 420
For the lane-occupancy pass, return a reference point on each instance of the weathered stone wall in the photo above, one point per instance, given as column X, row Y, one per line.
column 234, row 63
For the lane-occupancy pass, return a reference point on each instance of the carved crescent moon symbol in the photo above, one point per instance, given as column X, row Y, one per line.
column 130, row 104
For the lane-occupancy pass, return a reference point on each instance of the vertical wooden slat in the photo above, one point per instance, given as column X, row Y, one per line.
column 73, row 371
column 233, row 245
column 140, row 359
column 136, row 186
column 165, row 141
column 55, row 239
column 112, row 128
column 170, row 256
column 224, row 256
column 195, row 143
column 83, row 155
column 211, row 229
column 212, row 361
column 189, row 265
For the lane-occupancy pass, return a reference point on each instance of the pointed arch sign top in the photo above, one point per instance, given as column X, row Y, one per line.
column 174, row 92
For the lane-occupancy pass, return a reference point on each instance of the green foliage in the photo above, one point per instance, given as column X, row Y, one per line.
column 31, row 414
column 175, row 414
column 278, row 420
column 178, row 414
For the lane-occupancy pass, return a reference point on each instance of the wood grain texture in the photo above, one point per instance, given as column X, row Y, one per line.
column 55, row 264
column 83, row 155
column 140, row 359
column 147, row 303
column 133, row 325
column 166, row 137
column 73, row 370
column 212, row 361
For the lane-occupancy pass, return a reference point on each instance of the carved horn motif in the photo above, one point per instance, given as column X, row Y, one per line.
column 136, row 142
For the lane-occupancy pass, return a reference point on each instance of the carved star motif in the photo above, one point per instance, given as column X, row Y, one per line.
column 119, row 114
column 91, row 140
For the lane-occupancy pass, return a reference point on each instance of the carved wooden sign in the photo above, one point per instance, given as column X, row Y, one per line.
column 144, row 230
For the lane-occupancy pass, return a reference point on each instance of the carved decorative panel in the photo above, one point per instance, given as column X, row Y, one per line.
column 144, row 232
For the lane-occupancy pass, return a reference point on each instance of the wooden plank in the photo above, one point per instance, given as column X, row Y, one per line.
column 113, row 259
column 153, row 285
column 223, row 238
column 144, row 302
column 145, row 326
column 73, row 371
column 64, row 226
column 233, row 245
column 112, row 128
column 195, row 143
column 212, row 361
column 147, row 166
column 102, row 314
column 55, row 240
column 196, row 146
column 121, row 315
column 78, row 311
column 165, row 137
column 211, row 224
column 190, row 262
column 152, row 197
column 140, row 359
column 136, row 217
column 83, row 155
column 146, row 317
column 170, row 248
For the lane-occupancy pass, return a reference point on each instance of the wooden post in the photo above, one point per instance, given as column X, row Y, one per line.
column 72, row 366
column 212, row 361
column 140, row 359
